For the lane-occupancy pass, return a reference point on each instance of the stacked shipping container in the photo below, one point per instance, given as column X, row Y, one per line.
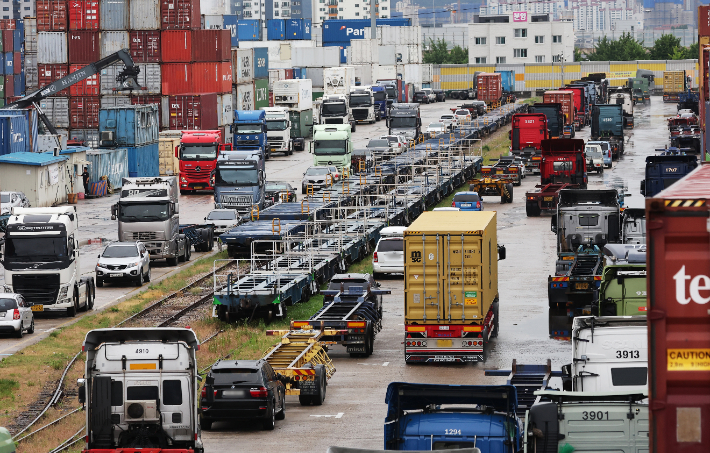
column 12, row 60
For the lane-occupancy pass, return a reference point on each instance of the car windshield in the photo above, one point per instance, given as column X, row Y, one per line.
column 330, row 147
column 7, row 304
column 462, row 112
column 236, row 176
column 247, row 128
column 36, row 249
column 466, row 198
column 276, row 125
column 5, row 198
column 198, row 152
column 334, row 108
column 390, row 245
column 378, row 144
column 397, row 122
column 359, row 99
column 317, row 171
column 221, row 215
column 120, row 251
column 380, row 96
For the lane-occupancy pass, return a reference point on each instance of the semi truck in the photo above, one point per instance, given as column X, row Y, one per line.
column 335, row 109
column 278, row 131
column 139, row 390
column 332, row 145
column 41, row 261
column 623, row 98
column 581, row 114
column 566, row 100
column 528, row 130
column 451, row 302
column 197, row 154
column 666, row 169
column 674, row 84
column 623, row 285
column 380, row 98
column 249, row 133
column 362, row 105
column 148, row 210
column 392, row 88
column 633, row 226
column 405, row 120
column 468, row 92
column 297, row 96
column 555, row 118
column 490, row 88
column 239, row 183
column 608, row 125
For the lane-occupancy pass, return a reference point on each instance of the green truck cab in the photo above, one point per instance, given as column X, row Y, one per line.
column 640, row 83
column 623, row 287
column 6, row 443
column 332, row 145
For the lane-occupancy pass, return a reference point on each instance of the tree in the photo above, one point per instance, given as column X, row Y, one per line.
column 458, row 55
column 439, row 53
column 577, row 54
column 626, row 48
column 691, row 52
column 665, row 47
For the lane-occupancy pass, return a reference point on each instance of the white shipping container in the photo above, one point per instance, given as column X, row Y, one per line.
column 338, row 80
column 30, row 35
column 276, row 75
column 114, row 101
column 362, row 51
column 427, row 73
column 245, row 96
column 57, row 110
column 113, row 41
column 413, row 75
column 408, row 54
column 212, row 22
column 225, row 109
column 363, row 74
column 145, row 15
column 316, row 76
column 387, row 55
column 295, row 94
column 31, row 75
column 51, row 47
column 214, row 7
column 388, row 72
column 316, row 57
column 399, row 35
column 242, row 65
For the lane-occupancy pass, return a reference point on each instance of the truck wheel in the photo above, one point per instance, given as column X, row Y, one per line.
column 71, row 311
column 188, row 250
column 305, row 400
column 321, row 379
column 206, row 425
column 370, row 345
column 172, row 261
column 532, row 209
column 510, row 193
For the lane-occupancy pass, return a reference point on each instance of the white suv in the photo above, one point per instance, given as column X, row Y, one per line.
column 16, row 315
column 389, row 253
column 430, row 94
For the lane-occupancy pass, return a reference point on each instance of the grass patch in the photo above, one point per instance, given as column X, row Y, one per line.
column 532, row 100
column 7, row 387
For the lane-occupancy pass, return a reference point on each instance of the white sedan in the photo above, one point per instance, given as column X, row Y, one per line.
column 434, row 129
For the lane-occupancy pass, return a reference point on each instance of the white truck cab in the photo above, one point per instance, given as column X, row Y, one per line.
column 278, row 130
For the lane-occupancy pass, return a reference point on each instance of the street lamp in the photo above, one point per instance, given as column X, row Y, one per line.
column 561, row 58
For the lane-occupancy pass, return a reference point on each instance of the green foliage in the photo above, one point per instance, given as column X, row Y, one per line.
column 625, row 48
column 458, row 55
column 577, row 55
column 665, row 47
column 692, row 51
column 439, row 53
column 7, row 387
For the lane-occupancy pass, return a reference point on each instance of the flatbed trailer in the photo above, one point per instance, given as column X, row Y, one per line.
column 240, row 238
column 503, row 169
column 201, row 236
column 494, row 185
column 545, row 198
column 689, row 137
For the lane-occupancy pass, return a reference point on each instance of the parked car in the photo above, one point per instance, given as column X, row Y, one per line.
column 361, row 155
column 388, row 257
column 430, row 94
column 224, row 219
column 9, row 200
column 242, row 390
column 278, row 190
column 433, row 129
column 467, row 201
column 462, row 115
column 440, row 95
column 396, row 141
column 380, row 146
column 606, row 151
column 123, row 261
column 316, row 177
column 16, row 315
column 421, row 97
column 449, row 120
column 334, row 171
column 595, row 158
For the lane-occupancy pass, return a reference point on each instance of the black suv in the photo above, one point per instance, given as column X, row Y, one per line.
column 421, row 97
column 244, row 389
column 440, row 95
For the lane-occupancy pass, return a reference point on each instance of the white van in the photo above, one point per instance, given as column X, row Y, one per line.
column 389, row 253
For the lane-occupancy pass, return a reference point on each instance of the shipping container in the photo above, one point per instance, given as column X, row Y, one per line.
column 84, row 112
column 48, row 73
column 51, row 15
column 169, row 164
column 261, row 63
column 9, row 88
column 206, row 78
column 211, row 45
column 51, row 48
column 145, row 15
column 115, row 101
column 30, row 35
column 84, row 14
column 566, row 98
column 230, row 23
column 18, row 39
column 249, row 30
column 113, row 41
column 143, row 161
column 176, row 46
column 316, row 76
column 145, row 46
column 214, row 7
column 679, row 326
column 703, row 20
column 489, row 87
column 225, row 110
column 180, row 14
column 275, row 75
column 19, row 88
column 31, row 71
column 261, row 93
column 114, row 14
column 316, row 57
column 342, row 49
column 84, row 46
column 507, row 80
column 87, row 87
column 134, row 125
column 9, row 63
column 56, row 109
column 149, row 78
column 146, row 100
column 212, row 22
column 112, row 163
column 289, row 74
column 14, row 134
column 195, row 112
column 243, row 65
column 2, row 88
column 276, row 29
column 88, row 137
column 7, row 24
column 295, row 94
column 245, row 96
column 301, row 123
column 176, row 78
column 343, row 30
column 17, row 63
column 674, row 81
column 298, row 29
column 7, row 40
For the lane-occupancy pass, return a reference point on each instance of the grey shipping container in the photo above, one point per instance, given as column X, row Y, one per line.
column 112, row 163
column 316, row 75
column 90, row 137
column 113, row 41
column 57, row 110
column 145, row 15
column 149, row 78
column 30, row 35
column 31, row 76
column 51, row 47
column 114, row 14
column 114, row 101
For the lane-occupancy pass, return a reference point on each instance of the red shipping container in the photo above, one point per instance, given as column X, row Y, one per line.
column 212, row 45
column 7, row 42
column 678, row 288
column 51, row 15
column 83, row 14
column 176, row 46
column 226, row 72
column 289, row 74
column 180, row 14
column 145, row 46
column 84, row 112
column 490, row 87
column 48, row 73
column 84, row 46
column 7, row 24
column 207, row 78
column 11, row 99
column 145, row 99
column 9, row 86
column 196, row 112
column 703, row 21
column 87, row 87
column 176, row 78
column 17, row 62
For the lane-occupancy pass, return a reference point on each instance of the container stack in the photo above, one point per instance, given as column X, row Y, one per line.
column 12, row 60
column 31, row 75
column 288, row 29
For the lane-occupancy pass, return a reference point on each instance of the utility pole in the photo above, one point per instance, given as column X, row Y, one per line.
column 373, row 21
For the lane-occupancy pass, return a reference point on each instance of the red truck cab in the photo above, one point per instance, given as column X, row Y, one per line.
column 563, row 162
column 526, row 135
column 197, row 153
column 580, row 114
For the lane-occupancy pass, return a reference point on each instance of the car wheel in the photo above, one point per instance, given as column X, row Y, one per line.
column 270, row 421
column 99, row 283
column 139, row 279
column 20, row 333
column 147, row 276
column 32, row 327
column 282, row 413
column 92, row 296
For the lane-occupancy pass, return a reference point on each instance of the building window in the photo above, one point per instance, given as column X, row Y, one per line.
column 480, row 41
column 384, row 8
column 6, row 8
column 500, row 39
column 556, row 38
column 556, row 58
column 539, row 58
column 521, row 32
column 357, row 14
column 340, row 9
column 276, row 14
column 520, row 53
column 480, row 60
column 500, row 60
column 539, row 39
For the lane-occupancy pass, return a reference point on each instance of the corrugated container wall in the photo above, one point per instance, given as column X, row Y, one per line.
column 243, row 65
column 112, row 163
column 275, row 29
column 249, row 30
column 149, row 78
column 89, row 137
column 179, row 14
column 225, row 111
column 113, row 41
column 169, row 164
column 87, row 87
column 198, row 112
column 143, row 161
column 212, row 22
column 84, row 46
column 230, row 23
column 245, row 96
column 114, row 15
column 57, row 110
column 84, row 14
column 84, row 112
column 176, row 46
column 176, row 78
column 211, row 45
column 114, row 101
column 14, row 134
column 30, row 35
column 52, row 48
column 261, row 63
column 51, row 15
column 261, row 93
column 316, row 57
column 145, row 46
column 132, row 126
column 206, row 78
column 31, row 70
column 147, row 100
column 145, row 15
column 214, row 7
column 299, row 29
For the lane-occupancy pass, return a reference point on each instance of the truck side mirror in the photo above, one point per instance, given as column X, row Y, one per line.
column 114, row 212
column 553, row 223
column 82, row 390
column 177, row 153
column 501, row 252
column 176, row 208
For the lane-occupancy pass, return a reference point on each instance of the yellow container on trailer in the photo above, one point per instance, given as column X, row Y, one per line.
column 450, row 267
column 673, row 81
column 169, row 165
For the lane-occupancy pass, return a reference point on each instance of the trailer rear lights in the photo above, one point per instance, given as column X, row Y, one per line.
column 416, row 329
column 300, row 324
column 472, row 328
column 259, row 392
column 356, row 324
column 470, row 343
column 416, row 343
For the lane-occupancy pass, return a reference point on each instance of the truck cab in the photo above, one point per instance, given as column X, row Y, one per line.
column 526, row 135
column 362, row 105
column 586, row 218
column 336, row 110
column 623, row 288
column 249, row 132
column 278, row 130
column 391, row 88
column 332, row 146
column 624, row 98
column 563, row 162
column 380, row 98
column 41, row 260
column 633, row 226
column 555, row 118
column 197, row 154
column 608, row 124
column 664, row 170
column 239, row 183
column 405, row 120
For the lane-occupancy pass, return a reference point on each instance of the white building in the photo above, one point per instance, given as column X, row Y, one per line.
column 519, row 38
column 552, row 7
column 348, row 9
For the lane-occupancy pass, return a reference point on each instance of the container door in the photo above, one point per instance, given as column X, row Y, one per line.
column 462, row 292
column 422, row 286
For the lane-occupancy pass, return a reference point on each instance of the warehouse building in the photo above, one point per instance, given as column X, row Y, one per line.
column 43, row 177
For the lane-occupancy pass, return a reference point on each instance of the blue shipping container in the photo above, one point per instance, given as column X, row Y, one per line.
column 298, row 29
column 249, row 30
column 18, row 40
column 32, row 119
column 507, row 80
column 261, row 62
column 19, row 84
column 230, row 23
column 132, row 125
column 8, row 63
column 112, row 163
column 14, row 134
column 343, row 49
column 143, row 161
column 275, row 30
column 343, row 30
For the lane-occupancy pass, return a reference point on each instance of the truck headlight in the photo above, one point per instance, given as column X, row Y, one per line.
column 182, row 179
column 63, row 292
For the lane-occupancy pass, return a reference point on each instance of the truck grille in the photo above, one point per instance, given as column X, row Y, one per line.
column 242, row 142
column 274, row 141
column 196, row 175
column 41, row 289
column 237, row 200
column 360, row 114
column 141, row 236
column 334, row 121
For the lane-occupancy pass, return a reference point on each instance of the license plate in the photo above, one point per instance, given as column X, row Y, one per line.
column 547, row 198
column 233, row 393
column 197, row 187
column 356, row 337
column 499, row 172
column 36, row 308
column 465, row 205
column 581, row 286
column 444, row 343
column 116, row 275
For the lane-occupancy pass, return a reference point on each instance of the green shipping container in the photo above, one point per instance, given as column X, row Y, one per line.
column 261, row 93
column 301, row 123
column 317, row 94
column 2, row 87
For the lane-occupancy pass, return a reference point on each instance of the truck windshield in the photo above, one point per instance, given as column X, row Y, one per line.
column 198, row 152
column 276, row 125
column 360, row 100
column 403, row 122
column 330, row 147
column 391, row 92
column 5, row 198
column 143, row 212
column 236, row 176
column 380, row 96
column 247, row 128
column 35, row 249
column 333, row 108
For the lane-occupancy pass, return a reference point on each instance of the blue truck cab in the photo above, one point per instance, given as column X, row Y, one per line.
column 665, row 169
column 239, row 182
column 441, row 417
column 380, row 95
column 249, row 131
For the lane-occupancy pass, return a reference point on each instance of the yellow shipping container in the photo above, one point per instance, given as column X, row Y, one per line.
column 169, row 165
column 673, row 81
